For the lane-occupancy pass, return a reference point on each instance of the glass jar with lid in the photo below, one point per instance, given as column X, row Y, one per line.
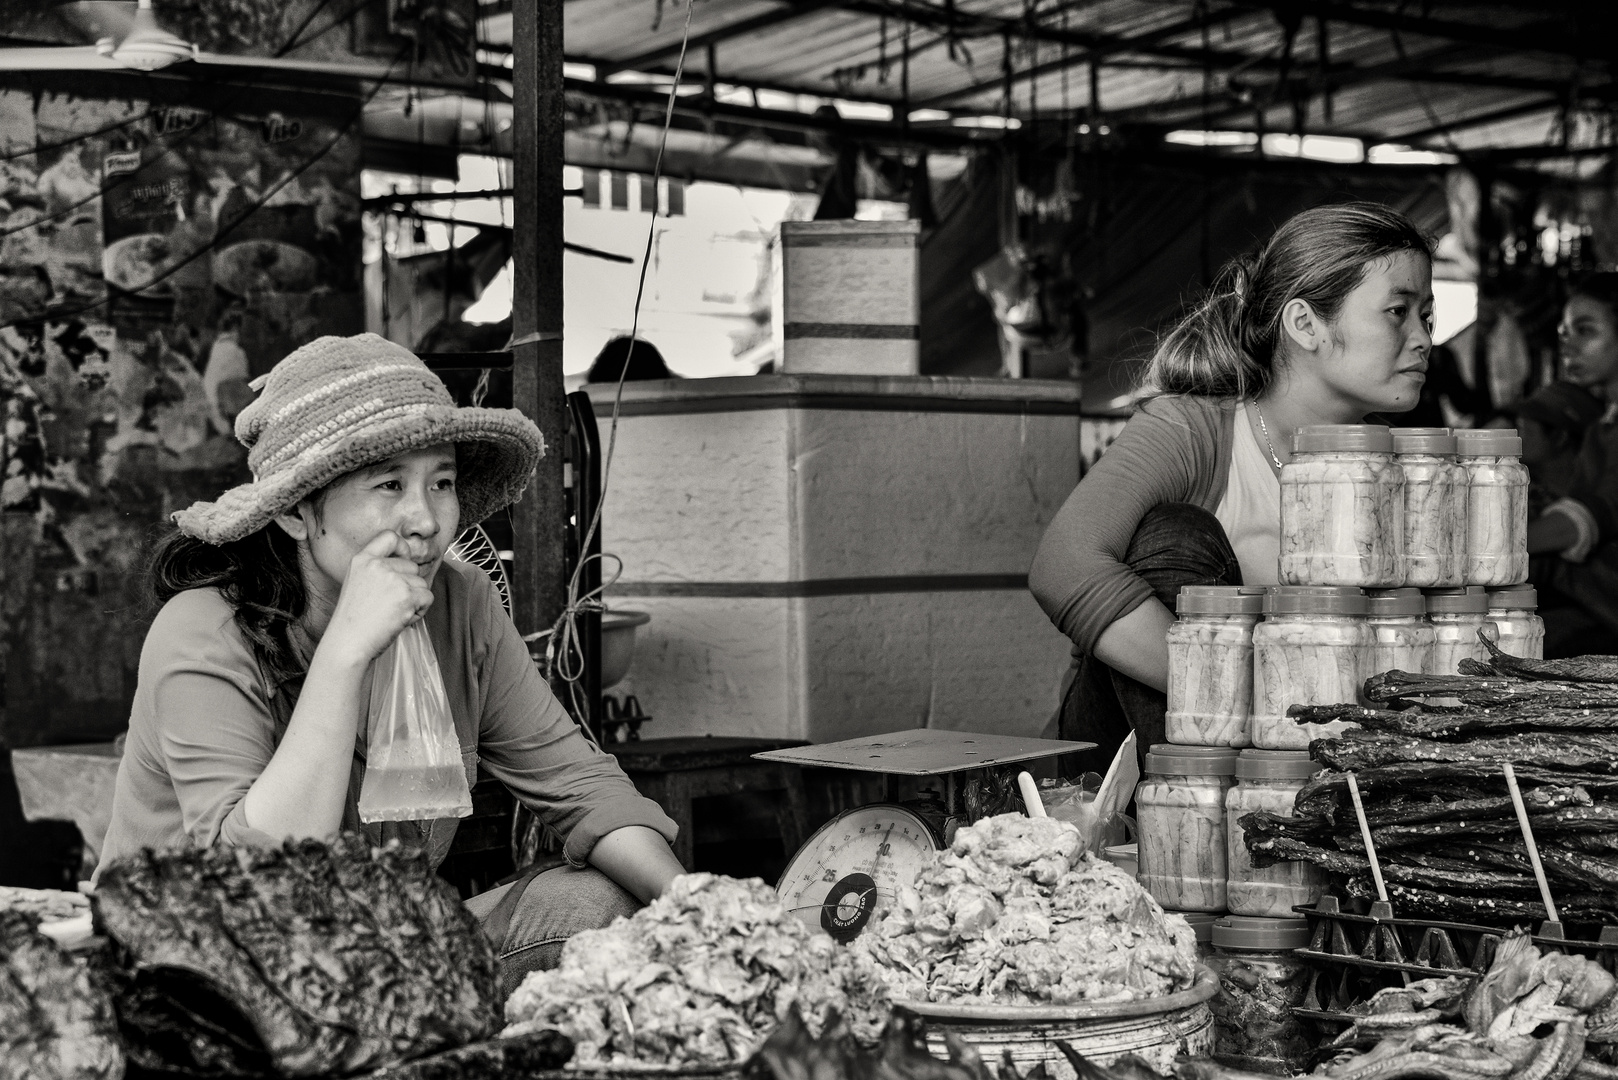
column 1180, row 818
column 1342, row 508
column 1496, row 506
column 1261, row 982
column 1435, row 507
column 1457, row 615
column 1313, row 647
column 1267, row 780
column 1514, row 611
column 1402, row 638
column 1211, row 665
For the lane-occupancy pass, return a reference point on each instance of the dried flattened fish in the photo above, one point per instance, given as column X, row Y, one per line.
column 1592, row 751
column 1587, row 669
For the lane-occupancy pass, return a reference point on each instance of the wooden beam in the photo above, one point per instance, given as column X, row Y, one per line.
column 711, row 112
column 970, row 25
column 538, row 587
column 1086, row 56
column 793, row 9
column 1509, row 112
column 1548, row 36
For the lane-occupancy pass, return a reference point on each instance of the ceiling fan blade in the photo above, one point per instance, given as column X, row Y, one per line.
column 355, row 69
column 68, row 58
column 100, row 18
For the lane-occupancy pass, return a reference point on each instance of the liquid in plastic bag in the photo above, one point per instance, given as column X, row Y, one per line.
column 413, row 769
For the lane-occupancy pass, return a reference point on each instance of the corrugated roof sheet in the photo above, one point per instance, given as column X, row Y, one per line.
column 1381, row 70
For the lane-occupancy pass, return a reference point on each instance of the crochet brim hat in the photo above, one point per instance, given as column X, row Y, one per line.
column 340, row 404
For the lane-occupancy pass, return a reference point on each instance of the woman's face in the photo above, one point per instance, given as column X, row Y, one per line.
column 412, row 494
column 1374, row 356
column 1589, row 340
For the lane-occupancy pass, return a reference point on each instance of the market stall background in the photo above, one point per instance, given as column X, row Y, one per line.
column 1135, row 145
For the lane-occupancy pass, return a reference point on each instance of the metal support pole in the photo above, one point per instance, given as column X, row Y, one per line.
column 539, row 586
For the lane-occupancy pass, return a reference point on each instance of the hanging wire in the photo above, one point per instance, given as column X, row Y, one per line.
column 563, row 657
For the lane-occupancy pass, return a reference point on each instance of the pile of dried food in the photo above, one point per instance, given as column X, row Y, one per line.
column 1533, row 1015
column 1436, row 799
column 701, row 975
column 306, row 960
column 1015, row 912
column 337, row 957
column 56, row 1023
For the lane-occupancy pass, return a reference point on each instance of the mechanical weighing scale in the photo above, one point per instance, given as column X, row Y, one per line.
column 847, row 875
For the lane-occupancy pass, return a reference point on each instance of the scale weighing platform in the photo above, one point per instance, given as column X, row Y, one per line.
column 848, row 874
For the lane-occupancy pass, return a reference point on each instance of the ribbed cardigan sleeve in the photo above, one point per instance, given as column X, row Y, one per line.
column 1173, row 450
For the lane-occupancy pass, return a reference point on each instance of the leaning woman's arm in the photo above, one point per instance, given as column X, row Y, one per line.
column 301, row 791
column 530, row 744
column 637, row 858
column 1167, row 453
column 1137, row 645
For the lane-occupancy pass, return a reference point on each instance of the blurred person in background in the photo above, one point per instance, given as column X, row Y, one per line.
column 1575, row 539
column 640, row 357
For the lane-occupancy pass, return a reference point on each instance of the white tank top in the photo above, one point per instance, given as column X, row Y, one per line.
column 1250, row 509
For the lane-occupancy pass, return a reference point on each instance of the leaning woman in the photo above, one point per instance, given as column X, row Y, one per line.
column 1330, row 323
column 249, row 719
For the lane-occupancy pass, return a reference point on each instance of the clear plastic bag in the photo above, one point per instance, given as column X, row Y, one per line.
column 1075, row 801
column 413, row 769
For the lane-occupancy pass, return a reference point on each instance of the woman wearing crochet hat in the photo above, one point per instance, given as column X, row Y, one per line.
column 249, row 719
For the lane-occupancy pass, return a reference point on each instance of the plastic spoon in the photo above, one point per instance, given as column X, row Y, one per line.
column 1030, row 795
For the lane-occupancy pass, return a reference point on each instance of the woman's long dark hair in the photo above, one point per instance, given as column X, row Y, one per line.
column 258, row 576
column 1225, row 345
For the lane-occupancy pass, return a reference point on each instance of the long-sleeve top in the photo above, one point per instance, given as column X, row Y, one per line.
column 1590, row 493
column 207, row 719
column 1175, row 449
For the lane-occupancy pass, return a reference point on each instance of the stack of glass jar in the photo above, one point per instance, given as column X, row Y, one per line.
column 1380, row 508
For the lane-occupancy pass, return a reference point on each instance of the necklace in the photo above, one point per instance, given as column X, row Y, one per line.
column 1262, row 426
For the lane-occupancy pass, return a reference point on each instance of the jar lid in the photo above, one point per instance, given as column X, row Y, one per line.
column 1422, row 440
column 1314, row 600
column 1252, row 932
column 1514, row 596
column 1471, row 600
column 1202, row 923
column 1217, row 600
column 1275, row 765
column 1369, row 438
column 1172, row 759
column 1396, row 602
column 1488, row 442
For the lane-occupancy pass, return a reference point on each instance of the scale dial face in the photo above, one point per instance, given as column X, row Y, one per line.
column 848, row 875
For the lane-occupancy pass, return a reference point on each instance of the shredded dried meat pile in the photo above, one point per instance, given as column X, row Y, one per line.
column 1435, row 796
column 700, row 976
column 1016, row 913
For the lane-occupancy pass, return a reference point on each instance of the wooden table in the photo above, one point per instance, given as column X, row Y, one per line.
column 69, row 783
column 673, row 772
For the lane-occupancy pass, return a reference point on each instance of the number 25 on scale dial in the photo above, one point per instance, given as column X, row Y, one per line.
column 848, row 874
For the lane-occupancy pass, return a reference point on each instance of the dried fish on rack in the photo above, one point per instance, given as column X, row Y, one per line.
column 1441, row 725
column 1353, row 751
column 1435, row 798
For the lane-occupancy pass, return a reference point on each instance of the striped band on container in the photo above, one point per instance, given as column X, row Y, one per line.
column 874, row 331
column 850, row 240
column 813, row 587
